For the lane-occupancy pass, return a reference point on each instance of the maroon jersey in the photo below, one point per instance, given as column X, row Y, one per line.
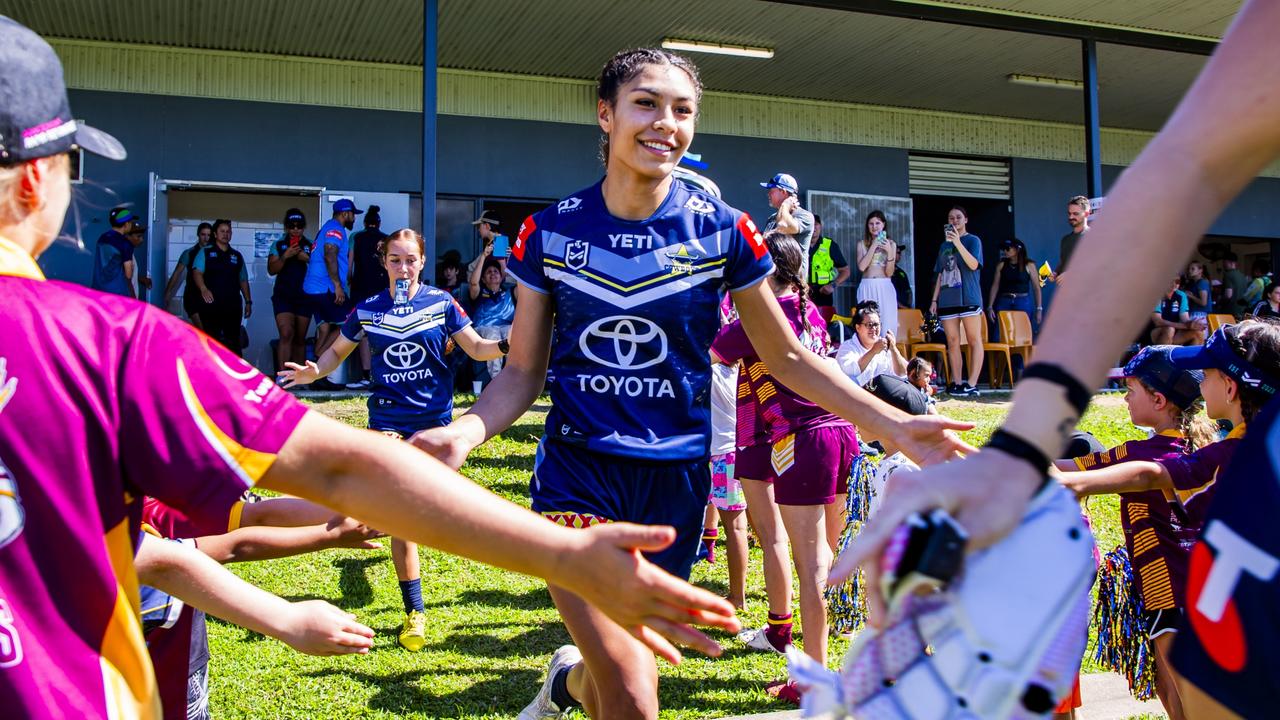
column 1158, row 541
column 104, row 400
column 1195, row 476
column 769, row 411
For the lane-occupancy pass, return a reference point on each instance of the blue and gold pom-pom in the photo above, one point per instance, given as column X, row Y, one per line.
column 846, row 602
column 1122, row 636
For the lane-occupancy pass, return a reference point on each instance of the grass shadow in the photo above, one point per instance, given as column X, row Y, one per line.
column 542, row 638
column 353, row 581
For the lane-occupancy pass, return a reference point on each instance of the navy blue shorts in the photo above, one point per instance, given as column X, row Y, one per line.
column 292, row 304
column 404, row 430
column 578, row 488
column 324, row 310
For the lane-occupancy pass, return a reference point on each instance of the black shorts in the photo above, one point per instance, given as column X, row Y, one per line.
column 958, row 311
column 292, row 304
column 1159, row 622
column 193, row 305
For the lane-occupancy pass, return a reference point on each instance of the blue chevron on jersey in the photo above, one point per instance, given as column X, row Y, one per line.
column 635, row 311
column 412, row 383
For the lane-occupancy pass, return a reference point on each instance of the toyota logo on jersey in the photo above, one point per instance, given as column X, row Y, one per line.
column 624, row 342
column 404, row 356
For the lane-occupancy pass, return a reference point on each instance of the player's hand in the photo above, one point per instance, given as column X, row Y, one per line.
column 658, row 609
column 315, row 627
column 206, row 296
column 932, row 439
column 444, row 444
column 351, row 533
column 295, row 374
column 987, row 493
column 339, row 297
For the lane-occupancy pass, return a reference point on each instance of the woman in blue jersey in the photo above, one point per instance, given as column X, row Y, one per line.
column 409, row 328
column 619, row 289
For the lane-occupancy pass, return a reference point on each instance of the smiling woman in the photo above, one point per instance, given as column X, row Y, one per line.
column 626, row 270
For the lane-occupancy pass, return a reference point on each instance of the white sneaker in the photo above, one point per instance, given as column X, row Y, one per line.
column 542, row 707
column 358, row 385
column 755, row 639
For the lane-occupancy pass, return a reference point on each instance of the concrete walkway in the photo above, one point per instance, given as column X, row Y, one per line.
column 1106, row 697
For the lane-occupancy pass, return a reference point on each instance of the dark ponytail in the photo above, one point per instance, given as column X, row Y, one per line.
column 787, row 258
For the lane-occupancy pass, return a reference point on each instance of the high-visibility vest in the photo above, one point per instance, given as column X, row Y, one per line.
column 822, row 269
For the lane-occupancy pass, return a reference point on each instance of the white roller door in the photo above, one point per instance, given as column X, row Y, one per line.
column 959, row 177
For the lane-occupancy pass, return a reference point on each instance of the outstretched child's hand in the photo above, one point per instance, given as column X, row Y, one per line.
column 656, row 607
column 317, row 628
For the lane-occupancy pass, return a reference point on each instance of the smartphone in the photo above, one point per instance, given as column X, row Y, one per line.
column 501, row 246
column 948, row 228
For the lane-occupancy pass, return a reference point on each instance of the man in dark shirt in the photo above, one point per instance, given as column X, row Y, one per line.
column 368, row 277
column 1078, row 209
column 113, row 265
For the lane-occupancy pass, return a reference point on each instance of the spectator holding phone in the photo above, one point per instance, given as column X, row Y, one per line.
column 487, row 227
column 492, row 305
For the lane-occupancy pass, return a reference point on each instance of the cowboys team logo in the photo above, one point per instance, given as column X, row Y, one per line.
column 680, row 260
column 575, row 254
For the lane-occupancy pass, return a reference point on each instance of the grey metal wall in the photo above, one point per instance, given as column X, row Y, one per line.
column 226, row 140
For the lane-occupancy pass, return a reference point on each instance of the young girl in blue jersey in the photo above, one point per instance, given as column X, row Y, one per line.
column 412, row 381
column 619, row 288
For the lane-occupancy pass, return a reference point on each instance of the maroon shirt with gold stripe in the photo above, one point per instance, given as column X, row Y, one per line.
column 1155, row 533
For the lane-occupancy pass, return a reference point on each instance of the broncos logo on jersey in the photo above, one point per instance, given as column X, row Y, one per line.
column 12, row 517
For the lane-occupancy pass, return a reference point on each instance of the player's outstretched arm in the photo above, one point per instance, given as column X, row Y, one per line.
column 476, row 347
column 509, row 395
column 268, row 543
column 1223, row 133
column 410, row 495
column 924, row 438
column 314, row 627
column 1134, row 476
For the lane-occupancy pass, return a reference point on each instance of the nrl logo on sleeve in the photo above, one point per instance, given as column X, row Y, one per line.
column 700, row 205
column 575, row 254
column 569, row 205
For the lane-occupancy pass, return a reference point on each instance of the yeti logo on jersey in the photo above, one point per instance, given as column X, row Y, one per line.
column 700, row 205
column 624, row 342
column 569, row 205
column 575, row 254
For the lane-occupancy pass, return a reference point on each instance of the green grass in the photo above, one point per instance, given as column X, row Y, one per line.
column 490, row 632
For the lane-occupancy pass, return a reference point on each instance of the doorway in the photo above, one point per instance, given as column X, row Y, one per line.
column 990, row 220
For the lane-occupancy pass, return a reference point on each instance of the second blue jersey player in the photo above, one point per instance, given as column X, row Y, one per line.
column 619, row 291
column 410, row 327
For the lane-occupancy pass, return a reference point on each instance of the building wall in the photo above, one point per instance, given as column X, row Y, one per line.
column 351, row 149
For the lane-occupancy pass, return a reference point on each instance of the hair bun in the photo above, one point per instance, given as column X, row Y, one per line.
column 374, row 209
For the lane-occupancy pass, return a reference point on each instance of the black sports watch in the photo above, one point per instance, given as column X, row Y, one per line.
column 504, row 347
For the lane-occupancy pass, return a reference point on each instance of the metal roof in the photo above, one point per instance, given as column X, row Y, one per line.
column 820, row 54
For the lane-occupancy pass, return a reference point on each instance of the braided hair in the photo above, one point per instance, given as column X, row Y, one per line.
column 1197, row 430
column 787, row 257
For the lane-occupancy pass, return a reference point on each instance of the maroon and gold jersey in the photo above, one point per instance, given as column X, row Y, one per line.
column 1155, row 533
column 104, row 400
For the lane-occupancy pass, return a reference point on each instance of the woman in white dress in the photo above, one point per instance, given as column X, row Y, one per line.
column 877, row 255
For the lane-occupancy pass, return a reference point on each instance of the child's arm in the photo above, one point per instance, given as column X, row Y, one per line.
column 1123, row 477
column 284, row 512
column 269, row 543
column 314, row 627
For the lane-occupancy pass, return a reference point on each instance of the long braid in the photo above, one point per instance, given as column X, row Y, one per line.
column 787, row 257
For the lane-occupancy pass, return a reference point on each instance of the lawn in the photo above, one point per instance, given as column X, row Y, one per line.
column 490, row 632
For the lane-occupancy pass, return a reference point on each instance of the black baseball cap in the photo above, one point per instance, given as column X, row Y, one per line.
column 35, row 116
column 1155, row 366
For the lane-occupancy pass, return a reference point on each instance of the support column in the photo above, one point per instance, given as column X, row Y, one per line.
column 430, row 18
column 1092, row 142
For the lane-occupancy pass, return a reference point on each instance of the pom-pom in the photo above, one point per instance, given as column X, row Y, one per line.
column 1122, row 643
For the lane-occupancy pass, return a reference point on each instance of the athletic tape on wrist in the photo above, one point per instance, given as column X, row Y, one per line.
column 1077, row 394
column 1015, row 446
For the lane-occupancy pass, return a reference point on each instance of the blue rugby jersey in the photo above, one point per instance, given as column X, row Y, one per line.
column 412, row 383
column 635, row 312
